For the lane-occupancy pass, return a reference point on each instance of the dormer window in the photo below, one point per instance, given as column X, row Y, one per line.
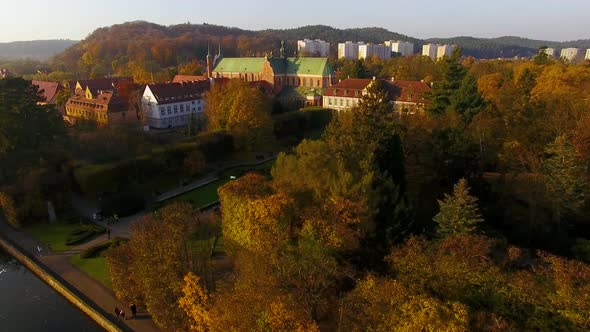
column 345, row 92
column 335, row 91
column 356, row 93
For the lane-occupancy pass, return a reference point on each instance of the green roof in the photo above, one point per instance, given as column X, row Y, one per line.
column 299, row 92
column 289, row 66
column 240, row 65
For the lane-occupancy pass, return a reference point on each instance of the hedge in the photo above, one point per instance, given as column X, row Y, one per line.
column 123, row 204
column 296, row 123
column 117, row 176
column 84, row 233
column 97, row 250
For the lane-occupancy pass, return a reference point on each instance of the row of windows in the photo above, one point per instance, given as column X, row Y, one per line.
column 168, row 109
column 71, row 111
column 342, row 102
column 356, row 92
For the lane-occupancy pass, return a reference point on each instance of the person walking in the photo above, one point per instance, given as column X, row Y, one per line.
column 117, row 312
column 133, row 310
column 122, row 314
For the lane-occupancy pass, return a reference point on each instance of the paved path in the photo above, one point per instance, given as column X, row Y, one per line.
column 97, row 295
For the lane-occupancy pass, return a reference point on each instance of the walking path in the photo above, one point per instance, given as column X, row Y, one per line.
column 90, row 290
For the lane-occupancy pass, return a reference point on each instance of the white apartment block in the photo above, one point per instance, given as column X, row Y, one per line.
column 571, row 54
column 401, row 47
column 551, row 52
column 349, row 50
column 316, row 48
column 430, row 50
column 169, row 105
column 444, row 50
column 370, row 50
column 587, row 54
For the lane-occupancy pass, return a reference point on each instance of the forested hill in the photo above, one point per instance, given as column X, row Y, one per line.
column 143, row 49
column 35, row 49
column 507, row 46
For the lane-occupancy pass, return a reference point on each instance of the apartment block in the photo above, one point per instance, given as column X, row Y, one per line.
column 315, row 48
column 401, row 47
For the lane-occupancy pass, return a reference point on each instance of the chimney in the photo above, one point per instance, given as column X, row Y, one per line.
column 393, row 79
column 374, row 78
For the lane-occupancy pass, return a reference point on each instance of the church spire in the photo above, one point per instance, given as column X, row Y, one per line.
column 282, row 49
column 209, row 69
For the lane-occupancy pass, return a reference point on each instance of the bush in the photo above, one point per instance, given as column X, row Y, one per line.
column 296, row 123
column 101, row 248
column 84, row 233
column 123, row 205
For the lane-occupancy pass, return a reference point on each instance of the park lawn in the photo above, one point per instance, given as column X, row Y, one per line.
column 207, row 194
column 95, row 267
column 202, row 196
column 52, row 235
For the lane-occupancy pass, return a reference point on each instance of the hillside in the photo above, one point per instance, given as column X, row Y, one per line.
column 149, row 51
column 507, row 46
column 36, row 49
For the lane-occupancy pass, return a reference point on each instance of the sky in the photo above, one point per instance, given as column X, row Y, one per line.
column 557, row 20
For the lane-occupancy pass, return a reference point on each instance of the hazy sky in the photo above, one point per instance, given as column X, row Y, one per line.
column 540, row 19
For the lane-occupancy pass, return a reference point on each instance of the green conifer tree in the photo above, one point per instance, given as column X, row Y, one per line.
column 458, row 213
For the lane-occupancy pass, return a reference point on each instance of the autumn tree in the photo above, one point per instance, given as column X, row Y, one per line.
column 459, row 213
column 566, row 178
column 151, row 267
column 452, row 75
column 195, row 302
column 243, row 111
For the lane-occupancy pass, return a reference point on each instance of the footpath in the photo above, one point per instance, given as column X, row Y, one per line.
column 91, row 292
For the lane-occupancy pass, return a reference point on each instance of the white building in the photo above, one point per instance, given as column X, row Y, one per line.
column 349, row 50
column 587, row 54
column 551, row 52
column 401, row 47
column 168, row 105
column 316, row 48
column 571, row 54
column 444, row 50
column 370, row 50
column 430, row 50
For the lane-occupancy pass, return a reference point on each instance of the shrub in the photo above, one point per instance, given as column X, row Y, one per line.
column 124, row 204
column 101, row 248
column 84, row 233
column 7, row 205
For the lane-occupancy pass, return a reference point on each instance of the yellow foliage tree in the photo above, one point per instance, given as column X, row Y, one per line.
column 7, row 205
column 195, row 303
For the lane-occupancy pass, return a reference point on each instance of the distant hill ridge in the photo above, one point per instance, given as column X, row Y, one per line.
column 34, row 49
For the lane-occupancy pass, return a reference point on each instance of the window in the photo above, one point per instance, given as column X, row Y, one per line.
column 330, row 101
column 199, row 108
column 347, row 102
column 169, row 109
column 356, row 93
column 175, row 109
column 318, row 83
column 162, row 112
column 181, row 108
column 341, row 102
column 193, row 102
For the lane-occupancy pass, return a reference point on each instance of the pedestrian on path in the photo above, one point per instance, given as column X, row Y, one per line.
column 122, row 314
column 133, row 310
column 117, row 311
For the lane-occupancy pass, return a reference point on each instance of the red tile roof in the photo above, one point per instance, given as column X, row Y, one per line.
column 168, row 93
column 408, row 91
column 402, row 91
column 103, row 84
column 351, row 88
column 105, row 101
column 188, row 78
column 48, row 90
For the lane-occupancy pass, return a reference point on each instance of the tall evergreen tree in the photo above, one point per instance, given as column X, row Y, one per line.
column 565, row 178
column 467, row 101
column 453, row 73
column 458, row 213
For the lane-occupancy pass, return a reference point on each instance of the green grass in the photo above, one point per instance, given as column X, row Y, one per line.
column 208, row 194
column 95, row 267
column 52, row 235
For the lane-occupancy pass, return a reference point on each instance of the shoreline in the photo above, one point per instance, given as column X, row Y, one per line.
column 58, row 286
